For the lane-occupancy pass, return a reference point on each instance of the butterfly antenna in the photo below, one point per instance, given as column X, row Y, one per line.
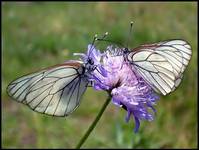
column 92, row 45
column 131, row 26
column 102, row 38
column 110, row 41
column 95, row 39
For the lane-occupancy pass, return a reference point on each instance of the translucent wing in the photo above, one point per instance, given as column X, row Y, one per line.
column 54, row 91
column 162, row 64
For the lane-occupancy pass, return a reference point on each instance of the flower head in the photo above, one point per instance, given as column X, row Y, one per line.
column 128, row 89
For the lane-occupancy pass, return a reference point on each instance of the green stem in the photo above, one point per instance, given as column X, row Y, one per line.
column 83, row 139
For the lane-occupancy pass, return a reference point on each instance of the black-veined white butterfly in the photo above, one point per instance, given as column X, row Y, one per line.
column 56, row 90
column 160, row 64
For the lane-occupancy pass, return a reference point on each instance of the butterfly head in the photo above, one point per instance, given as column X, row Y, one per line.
column 125, row 51
column 90, row 65
column 90, row 61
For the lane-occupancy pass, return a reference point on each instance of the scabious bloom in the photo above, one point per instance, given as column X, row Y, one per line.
column 110, row 72
column 128, row 89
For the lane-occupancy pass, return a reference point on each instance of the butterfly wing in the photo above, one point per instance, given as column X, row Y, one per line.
column 54, row 91
column 161, row 64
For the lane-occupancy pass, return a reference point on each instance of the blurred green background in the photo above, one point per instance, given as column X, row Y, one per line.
column 39, row 34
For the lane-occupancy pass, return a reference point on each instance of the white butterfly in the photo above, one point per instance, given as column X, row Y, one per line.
column 161, row 64
column 54, row 91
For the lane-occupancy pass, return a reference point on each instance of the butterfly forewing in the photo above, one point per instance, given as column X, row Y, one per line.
column 54, row 91
column 161, row 64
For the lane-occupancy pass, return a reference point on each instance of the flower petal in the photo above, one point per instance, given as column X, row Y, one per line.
column 137, row 124
column 128, row 116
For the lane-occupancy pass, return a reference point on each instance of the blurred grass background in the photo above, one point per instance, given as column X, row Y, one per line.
column 39, row 34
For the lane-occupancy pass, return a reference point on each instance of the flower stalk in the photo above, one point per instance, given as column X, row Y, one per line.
column 92, row 126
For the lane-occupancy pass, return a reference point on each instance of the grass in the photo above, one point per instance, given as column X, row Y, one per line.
column 39, row 34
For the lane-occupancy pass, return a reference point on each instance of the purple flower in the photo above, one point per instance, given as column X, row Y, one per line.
column 128, row 89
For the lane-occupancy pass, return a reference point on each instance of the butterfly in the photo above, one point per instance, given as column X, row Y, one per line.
column 160, row 64
column 56, row 90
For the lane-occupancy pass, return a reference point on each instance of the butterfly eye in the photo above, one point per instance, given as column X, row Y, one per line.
column 90, row 61
column 126, row 50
